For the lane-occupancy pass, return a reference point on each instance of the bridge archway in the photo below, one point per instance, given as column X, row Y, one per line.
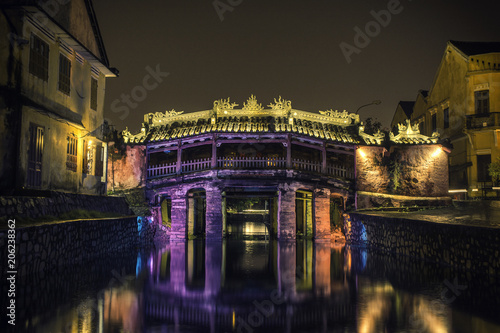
column 196, row 213
column 251, row 215
column 304, row 213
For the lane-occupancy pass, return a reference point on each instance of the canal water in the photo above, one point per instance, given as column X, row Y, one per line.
column 258, row 286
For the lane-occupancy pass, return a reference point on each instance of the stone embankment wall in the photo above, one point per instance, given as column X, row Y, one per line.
column 50, row 247
column 463, row 247
column 57, row 203
column 403, row 175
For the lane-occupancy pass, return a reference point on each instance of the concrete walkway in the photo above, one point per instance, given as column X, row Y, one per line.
column 473, row 213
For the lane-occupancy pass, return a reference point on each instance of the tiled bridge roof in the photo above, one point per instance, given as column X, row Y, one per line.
column 333, row 126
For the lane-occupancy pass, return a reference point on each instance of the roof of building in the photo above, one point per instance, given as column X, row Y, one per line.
column 280, row 118
column 407, row 107
column 475, row 48
column 423, row 92
column 68, row 16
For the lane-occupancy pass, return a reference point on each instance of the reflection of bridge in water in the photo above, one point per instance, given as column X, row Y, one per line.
column 232, row 285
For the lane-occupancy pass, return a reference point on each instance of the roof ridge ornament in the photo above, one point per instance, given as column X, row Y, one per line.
column 375, row 139
column 223, row 105
column 168, row 114
column 281, row 104
column 340, row 116
column 252, row 105
column 411, row 134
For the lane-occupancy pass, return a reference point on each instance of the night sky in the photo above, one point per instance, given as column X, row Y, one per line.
column 288, row 48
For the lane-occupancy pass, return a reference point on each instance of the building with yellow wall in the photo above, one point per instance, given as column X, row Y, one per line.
column 54, row 68
column 463, row 106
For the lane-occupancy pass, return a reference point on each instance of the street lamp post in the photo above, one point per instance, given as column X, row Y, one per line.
column 376, row 102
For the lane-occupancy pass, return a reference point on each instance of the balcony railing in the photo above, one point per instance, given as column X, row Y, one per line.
column 169, row 169
column 476, row 121
column 162, row 170
column 196, row 165
column 251, row 163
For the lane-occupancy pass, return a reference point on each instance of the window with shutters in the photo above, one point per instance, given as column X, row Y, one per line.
column 39, row 58
column 64, row 75
column 93, row 94
column 482, row 99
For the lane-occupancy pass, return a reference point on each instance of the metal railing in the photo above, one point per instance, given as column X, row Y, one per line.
column 476, row 121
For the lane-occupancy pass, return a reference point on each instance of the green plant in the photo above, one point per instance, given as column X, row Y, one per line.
column 494, row 170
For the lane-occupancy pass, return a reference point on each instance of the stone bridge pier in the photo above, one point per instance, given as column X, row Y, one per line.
column 198, row 210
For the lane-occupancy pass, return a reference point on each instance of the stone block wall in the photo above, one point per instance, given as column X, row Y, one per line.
column 127, row 167
column 57, row 203
column 414, row 171
column 459, row 246
column 50, row 247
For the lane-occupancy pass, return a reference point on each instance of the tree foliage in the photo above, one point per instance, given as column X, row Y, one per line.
column 494, row 170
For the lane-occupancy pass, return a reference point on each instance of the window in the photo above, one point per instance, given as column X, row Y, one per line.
column 93, row 94
column 483, row 163
column 421, row 125
column 482, row 98
column 446, row 115
column 434, row 122
column 39, row 58
column 64, row 74
column 72, row 153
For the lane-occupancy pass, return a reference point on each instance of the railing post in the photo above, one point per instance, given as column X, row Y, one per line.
column 289, row 152
column 179, row 158
column 214, row 152
column 323, row 160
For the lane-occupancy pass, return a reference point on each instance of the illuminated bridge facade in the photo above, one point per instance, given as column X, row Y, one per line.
column 269, row 172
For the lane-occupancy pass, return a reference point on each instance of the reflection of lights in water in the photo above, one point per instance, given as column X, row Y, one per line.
column 378, row 301
column 138, row 265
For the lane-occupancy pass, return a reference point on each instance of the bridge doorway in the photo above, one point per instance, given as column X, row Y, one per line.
column 166, row 211
column 303, row 214
column 251, row 216
column 336, row 212
column 197, row 210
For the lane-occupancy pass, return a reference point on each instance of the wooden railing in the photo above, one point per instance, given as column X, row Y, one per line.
column 162, row 170
column 196, row 165
column 338, row 171
column 306, row 165
column 251, row 163
column 169, row 169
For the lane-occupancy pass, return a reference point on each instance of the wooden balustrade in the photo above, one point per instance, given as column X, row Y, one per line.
column 196, row 165
column 162, row 170
column 251, row 162
column 248, row 163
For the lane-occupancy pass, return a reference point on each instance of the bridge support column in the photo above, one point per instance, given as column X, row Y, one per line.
column 213, row 265
column 287, row 225
column 178, row 266
column 322, row 214
column 214, row 218
column 287, row 268
column 179, row 218
column 322, row 262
